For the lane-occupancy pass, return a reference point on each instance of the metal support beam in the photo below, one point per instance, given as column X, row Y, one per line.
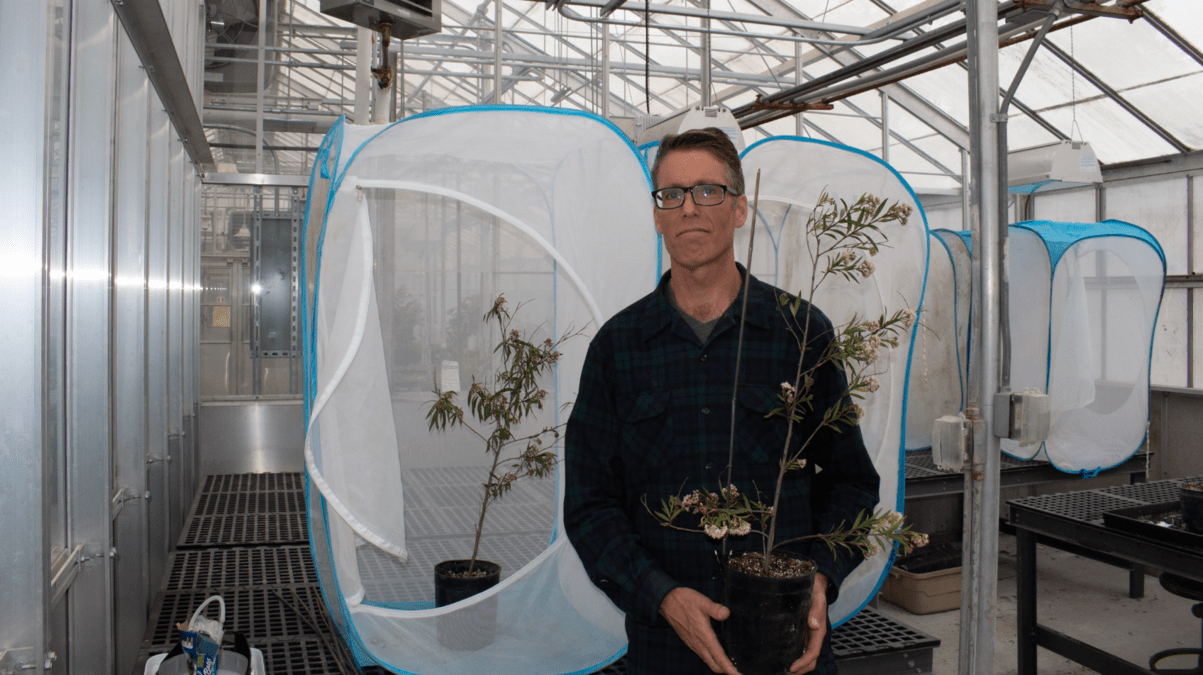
column 707, row 59
column 1173, row 36
column 363, row 76
column 885, row 127
column 980, row 547
column 147, row 29
column 260, row 85
column 498, row 40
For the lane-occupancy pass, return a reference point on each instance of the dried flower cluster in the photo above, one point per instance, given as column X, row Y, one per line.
column 842, row 239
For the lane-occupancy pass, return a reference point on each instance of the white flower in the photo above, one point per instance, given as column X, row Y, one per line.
column 858, row 410
column 743, row 528
column 868, row 352
column 872, row 384
column 908, row 318
column 866, row 267
column 715, row 532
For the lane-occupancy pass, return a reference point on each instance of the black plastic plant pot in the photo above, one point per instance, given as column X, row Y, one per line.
column 475, row 626
column 1192, row 508
column 767, row 630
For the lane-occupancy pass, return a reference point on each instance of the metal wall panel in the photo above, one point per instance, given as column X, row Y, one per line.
column 134, row 590
column 93, row 55
column 246, row 437
column 190, row 314
column 175, row 337
column 23, row 79
column 156, row 339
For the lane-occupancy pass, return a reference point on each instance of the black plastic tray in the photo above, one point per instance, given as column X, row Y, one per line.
column 1135, row 520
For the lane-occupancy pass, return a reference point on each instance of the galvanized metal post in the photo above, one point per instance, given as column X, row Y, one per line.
column 380, row 97
column 497, row 41
column 363, row 75
column 260, row 74
column 980, row 548
column 605, row 74
column 885, row 127
column 799, row 78
column 705, row 66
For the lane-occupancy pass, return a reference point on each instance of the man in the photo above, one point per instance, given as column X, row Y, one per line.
column 652, row 419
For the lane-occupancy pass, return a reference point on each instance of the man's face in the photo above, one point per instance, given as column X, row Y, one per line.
column 694, row 235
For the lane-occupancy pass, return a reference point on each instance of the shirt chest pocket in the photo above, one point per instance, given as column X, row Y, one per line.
column 762, row 437
column 647, row 428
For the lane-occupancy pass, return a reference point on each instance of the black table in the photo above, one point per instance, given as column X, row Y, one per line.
column 1076, row 518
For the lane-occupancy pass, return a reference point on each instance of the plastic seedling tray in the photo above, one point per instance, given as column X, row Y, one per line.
column 1144, row 521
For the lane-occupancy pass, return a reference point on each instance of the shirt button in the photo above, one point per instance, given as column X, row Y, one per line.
column 705, row 411
column 703, row 357
column 709, row 466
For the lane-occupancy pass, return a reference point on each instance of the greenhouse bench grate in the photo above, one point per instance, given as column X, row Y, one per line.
column 868, row 643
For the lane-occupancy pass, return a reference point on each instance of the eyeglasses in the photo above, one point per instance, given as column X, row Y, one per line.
column 703, row 195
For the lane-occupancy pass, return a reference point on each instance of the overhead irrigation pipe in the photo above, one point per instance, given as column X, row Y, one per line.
column 750, row 117
column 818, row 89
column 738, row 18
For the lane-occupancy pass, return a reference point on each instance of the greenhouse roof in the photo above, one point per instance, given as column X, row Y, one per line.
column 1127, row 80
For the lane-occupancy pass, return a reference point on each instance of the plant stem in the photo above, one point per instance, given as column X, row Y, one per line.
column 739, row 346
column 484, row 507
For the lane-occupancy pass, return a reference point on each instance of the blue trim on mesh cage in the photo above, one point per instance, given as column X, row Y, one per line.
column 308, row 323
column 901, row 500
column 643, row 153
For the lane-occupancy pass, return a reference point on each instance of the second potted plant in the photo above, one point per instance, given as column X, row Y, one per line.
column 495, row 409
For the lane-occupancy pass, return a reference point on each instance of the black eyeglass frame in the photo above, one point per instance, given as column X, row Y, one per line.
column 659, row 198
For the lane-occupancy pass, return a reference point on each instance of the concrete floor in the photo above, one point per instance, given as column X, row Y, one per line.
column 1082, row 598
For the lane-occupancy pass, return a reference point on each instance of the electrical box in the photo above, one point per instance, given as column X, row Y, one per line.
column 410, row 18
column 1022, row 416
column 950, row 437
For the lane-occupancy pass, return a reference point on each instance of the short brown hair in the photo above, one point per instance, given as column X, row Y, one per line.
column 711, row 139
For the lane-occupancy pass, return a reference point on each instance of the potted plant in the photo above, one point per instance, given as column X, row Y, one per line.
column 768, row 590
column 495, row 410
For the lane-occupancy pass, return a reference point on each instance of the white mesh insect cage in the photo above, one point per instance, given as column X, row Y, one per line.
column 1084, row 303
column 426, row 222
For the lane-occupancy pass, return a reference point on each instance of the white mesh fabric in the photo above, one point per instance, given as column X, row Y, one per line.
column 1104, row 294
column 937, row 381
column 794, row 172
column 1030, row 286
column 431, row 219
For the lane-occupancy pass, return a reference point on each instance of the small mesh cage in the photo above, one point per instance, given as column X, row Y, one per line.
column 1084, row 303
column 940, row 366
column 427, row 221
column 794, row 173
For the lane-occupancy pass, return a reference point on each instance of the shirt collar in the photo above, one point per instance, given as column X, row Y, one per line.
column 660, row 314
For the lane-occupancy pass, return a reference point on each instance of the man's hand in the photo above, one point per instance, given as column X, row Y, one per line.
column 689, row 613
column 817, row 622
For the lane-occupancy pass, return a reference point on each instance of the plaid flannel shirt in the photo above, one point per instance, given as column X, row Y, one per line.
column 652, row 419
